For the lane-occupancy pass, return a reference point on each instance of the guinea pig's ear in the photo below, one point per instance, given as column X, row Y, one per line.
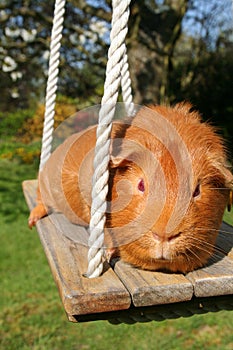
column 119, row 162
column 120, row 151
column 228, row 177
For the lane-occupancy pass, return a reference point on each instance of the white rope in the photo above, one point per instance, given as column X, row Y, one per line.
column 116, row 53
column 51, row 89
column 116, row 73
column 126, row 87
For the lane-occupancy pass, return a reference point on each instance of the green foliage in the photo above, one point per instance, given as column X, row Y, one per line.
column 21, row 131
column 204, row 77
column 11, row 144
column 11, row 122
column 31, row 313
column 32, row 128
column 27, row 154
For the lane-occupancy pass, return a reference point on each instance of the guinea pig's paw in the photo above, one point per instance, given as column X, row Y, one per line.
column 36, row 214
column 111, row 253
column 32, row 221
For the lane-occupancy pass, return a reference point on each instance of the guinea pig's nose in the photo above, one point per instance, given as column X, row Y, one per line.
column 164, row 237
column 158, row 237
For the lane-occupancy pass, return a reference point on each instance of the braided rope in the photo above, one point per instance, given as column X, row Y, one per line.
column 116, row 54
column 126, row 86
column 51, row 89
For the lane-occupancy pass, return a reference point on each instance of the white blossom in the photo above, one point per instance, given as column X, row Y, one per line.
column 2, row 50
column 3, row 15
column 92, row 36
column 14, row 93
column 12, row 32
column 16, row 75
column 45, row 55
column 73, row 38
column 28, row 36
column 9, row 64
column 82, row 39
column 99, row 27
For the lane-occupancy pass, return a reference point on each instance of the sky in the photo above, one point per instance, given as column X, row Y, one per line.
column 215, row 16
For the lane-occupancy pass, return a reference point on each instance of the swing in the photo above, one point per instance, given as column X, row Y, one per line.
column 94, row 290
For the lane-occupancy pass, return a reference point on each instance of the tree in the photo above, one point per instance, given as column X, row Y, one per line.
column 166, row 41
column 25, row 27
column 24, row 43
column 154, row 31
column 202, row 66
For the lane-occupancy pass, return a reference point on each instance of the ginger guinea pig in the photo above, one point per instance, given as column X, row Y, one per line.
column 168, row 187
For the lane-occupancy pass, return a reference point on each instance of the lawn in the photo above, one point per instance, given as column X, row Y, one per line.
column 31, row 314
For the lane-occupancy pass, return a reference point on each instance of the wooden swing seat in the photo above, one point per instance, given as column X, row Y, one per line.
column 127, row 294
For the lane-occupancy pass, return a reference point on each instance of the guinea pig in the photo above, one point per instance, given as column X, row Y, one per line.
column 168, row 187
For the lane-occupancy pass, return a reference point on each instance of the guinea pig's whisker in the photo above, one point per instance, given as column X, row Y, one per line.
column 213, row 249
column 188, row 257
column 228, row 232
column 204, row 243
column 203, row 229
column 193, row 254
column 215, row 258
column 217, row 249
column 203, row 248
column 212, row 229
column 219, row 188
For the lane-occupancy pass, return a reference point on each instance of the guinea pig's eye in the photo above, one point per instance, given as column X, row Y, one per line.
column 197, row 191
column 141, row 186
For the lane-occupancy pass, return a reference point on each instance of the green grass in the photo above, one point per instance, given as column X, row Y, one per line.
column 31, row 314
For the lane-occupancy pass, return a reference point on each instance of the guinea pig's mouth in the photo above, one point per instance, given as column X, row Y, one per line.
column 162, row 259
column 162, row 265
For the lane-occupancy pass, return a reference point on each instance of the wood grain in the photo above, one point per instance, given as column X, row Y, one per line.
column 153, row 288
column 125, row 287
column 217, row 277
column 67, row 258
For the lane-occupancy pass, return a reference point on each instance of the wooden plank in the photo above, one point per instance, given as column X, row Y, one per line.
column 153, row 288
column 225, row 240
column 162, row 312
column 66, row 249
column 217, row 278
column 67, row 243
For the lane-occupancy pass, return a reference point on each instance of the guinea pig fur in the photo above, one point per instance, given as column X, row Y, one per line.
column 168, row 187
